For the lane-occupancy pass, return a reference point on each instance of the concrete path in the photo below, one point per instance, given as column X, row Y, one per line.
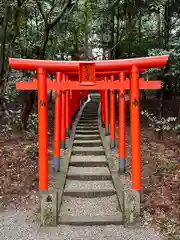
column 25, row 225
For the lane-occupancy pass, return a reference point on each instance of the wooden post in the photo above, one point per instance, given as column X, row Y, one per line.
column 135, row 128
column 122, row 127
column 112, row 116
column 67, row 111
column 70, row 110
column 102, row 108
column 42, row 129
column 106, row 106
column 57, row 126
column 63, row 115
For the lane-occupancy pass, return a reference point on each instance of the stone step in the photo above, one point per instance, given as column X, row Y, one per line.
column 93, row 122
column 88, row 121
column 89, row 115
column 88, row 152
column 88, row 118
column 87, row 137
column 89, row 176
column 89, row 185
column 86, row 128
column 86, row 115
column 91, row 108
column 88, row 161
column 87, row 141
column 86, row 149
column 87, row 170
column 88, row 158
column 89, row 221
column 87, row 144
column 103, row 206
column 87, row 124
column 82, row 126
column 89, row 193
column 87, row 132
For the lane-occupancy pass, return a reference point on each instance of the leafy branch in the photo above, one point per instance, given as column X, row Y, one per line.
column 161, row 124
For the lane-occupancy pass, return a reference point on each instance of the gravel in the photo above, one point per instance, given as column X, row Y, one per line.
column 25, row 225
column 104, row 206
column 88, row 170
column 90, row 185
column 21, row 225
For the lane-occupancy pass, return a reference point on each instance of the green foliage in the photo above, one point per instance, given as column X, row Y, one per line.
column 93, row 29
column 33, row 123
column 10, row 92
column 174, row 57
column 13, row 120
column 161, row 124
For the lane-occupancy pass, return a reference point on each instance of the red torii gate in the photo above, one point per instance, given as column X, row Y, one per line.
column 87, row 81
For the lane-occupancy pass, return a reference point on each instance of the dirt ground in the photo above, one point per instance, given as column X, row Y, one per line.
column 160, row 172
column 19, row 164
column 160, row 179
column 160, row 164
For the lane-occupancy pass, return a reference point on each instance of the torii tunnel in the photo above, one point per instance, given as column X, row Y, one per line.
column 73, row 80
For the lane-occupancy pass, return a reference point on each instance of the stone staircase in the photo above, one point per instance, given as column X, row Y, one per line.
column 89, row 196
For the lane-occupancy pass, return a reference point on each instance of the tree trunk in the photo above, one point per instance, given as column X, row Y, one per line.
column 27, row 108
column 139, row 32
column 143, row 94
column 160, row 133
column 44, row 42
column 167, row 22
column 2, row 53
column 30, row 99
column 117, row 48
column 158, row 15
column 29, row 103
column 112, row 35
column 129, row 35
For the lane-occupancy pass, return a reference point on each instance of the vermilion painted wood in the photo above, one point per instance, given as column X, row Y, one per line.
column 135, row 128
column 106, row 106
column 101, row 74
column 87, row 73
column 105, row 65
column 122, row 125
column 70, row 117
column 57, row 119
column 63, row 115
column 102, row 106
column 42, row 130
column 74, row 85
column 67, row 110
column 112, row 115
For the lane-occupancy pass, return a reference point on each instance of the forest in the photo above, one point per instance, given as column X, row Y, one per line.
column 96, row 30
